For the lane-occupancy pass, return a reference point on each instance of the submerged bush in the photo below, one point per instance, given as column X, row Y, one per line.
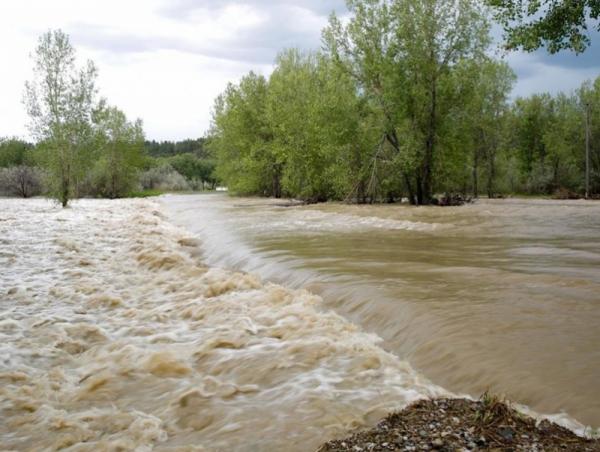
column 24, row 181
column 163, row 178
column 111, row 182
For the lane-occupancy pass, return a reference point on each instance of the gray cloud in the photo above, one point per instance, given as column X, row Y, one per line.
column 165, row 51
column 287, row 24
column 116, row 41
column 589, row 59
column 181, row 9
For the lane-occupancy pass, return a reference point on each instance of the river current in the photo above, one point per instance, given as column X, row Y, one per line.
column 500, row 295
column 114, row 335
column 212, row 323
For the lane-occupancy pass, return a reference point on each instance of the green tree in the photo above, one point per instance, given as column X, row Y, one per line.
column 554, row 24
column 198, row 171
column 531, row 118
column 314, row 116
column 403, row 54
column 486, row 116
column 242, row 139
column 60, row 100
column 171, row 148
column 120, row 146
column 14, row 152
column 564, row 143
column 588, row 102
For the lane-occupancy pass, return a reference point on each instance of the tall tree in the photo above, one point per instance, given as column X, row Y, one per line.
column 532, row 116
column 404, row 54
column 564, row 140
column 588, row 100
column 314, row 115
column 242, row 139
column 60, row 100
column 486, row 116
column 121, row 150
column 554, row 24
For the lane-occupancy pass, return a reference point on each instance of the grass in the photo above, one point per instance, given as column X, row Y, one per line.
column 493, row 409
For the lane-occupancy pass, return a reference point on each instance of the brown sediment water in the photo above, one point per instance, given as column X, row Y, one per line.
column 115, row 335
column 500, row 295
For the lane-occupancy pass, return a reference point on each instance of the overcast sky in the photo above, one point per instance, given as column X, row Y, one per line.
column 166, row 60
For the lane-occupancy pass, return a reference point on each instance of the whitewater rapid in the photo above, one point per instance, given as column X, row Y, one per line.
column 115, row 336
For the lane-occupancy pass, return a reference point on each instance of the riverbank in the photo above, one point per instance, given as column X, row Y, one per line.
column 461, row 424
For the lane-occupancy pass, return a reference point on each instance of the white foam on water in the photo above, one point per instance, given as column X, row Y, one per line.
column 112, row 335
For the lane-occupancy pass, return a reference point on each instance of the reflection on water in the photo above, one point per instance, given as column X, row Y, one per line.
column 501, row 295
column 114, row 336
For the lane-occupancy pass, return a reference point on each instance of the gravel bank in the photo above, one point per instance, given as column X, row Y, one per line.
column 460, row 424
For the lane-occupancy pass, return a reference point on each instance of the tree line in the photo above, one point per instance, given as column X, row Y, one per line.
column 86, row 147
column 23, row 171
column 404, row 101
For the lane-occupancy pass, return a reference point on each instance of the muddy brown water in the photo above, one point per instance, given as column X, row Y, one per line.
column 501, row 295
column 127, row 325
column 114, row 335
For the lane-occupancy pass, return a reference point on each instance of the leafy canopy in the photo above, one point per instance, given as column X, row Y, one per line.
column 554, row 24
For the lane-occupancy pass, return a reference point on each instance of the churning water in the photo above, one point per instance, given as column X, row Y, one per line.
column 501, row 295
column 114, row 335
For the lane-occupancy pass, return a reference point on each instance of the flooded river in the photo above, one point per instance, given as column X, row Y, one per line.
column 115, row 336
column 501, row 295
column 133, row 325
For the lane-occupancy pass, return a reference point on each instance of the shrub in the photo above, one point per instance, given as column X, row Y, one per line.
column 163, row 178
column 24, row 181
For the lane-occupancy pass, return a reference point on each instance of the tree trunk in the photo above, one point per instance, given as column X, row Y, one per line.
column 64, row 195
column 555, row 176
column 420, row 194
column 491, row 175
column 361, row 197
column 277, row 180
column 64, row 189
column 475, row 173
column 426, row 189
column 409, row 188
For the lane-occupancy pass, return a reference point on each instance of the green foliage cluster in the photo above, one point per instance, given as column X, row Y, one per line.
column 120, row 156
column 190, row 158
column 19, row 174
column 170, row 148
column 87, row 147
column 554, row 24
column 199, row 172
column 15, row 152
column 404, row 101
column 296, row 134
column 546, row 141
